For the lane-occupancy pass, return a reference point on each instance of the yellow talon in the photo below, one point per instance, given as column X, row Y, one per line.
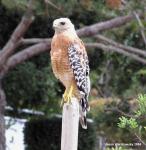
column 67, row 95
column 64, row 95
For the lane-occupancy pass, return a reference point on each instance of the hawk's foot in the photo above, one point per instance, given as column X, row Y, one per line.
column 68, row 94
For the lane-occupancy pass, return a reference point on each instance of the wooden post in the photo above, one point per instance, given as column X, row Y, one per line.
column 70, row 125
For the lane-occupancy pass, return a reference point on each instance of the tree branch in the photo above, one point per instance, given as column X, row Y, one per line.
column 141, row 27
column 116, row 49
column 53, row 5
column 25, row 54
column 140, row 140
column 92, row 29
column 115, row 109
column 127, row 48
column 11, row 45
column 44, row 44
column 35, row 41
column 105, row 25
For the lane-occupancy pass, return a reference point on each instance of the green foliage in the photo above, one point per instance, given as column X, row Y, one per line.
column 27, row 86
column 141, row 104
column 45, row 134
column 138, row 84
column 135, row 121
column 21, row 5
column 125, row 122
column 106, row 119
column 103, row 117
column 117, row 148
column 123, row 72
column 132, row 123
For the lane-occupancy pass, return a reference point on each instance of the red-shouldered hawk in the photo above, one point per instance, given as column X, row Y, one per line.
column 70, row 64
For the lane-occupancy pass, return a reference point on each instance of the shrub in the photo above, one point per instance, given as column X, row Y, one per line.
column 135, row 123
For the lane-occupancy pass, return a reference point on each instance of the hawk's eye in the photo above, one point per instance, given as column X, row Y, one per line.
column 62, row 23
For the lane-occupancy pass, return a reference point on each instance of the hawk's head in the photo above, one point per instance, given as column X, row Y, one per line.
column 62, row 24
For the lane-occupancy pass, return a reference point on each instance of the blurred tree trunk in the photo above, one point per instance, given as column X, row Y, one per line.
column 2, row 121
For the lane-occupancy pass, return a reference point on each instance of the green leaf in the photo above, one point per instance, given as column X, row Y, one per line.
column 123, row 122
column 132, row 123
